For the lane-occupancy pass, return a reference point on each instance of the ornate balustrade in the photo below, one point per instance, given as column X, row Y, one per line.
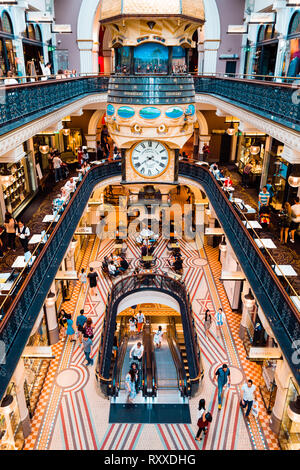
column 276, row 101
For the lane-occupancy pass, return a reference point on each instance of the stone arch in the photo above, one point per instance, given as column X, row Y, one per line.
column 96, row 117
column 203, row 127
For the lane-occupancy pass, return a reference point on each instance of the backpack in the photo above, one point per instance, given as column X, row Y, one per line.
column 208, row 417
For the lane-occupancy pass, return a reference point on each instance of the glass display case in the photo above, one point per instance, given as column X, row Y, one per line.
column 289, row 436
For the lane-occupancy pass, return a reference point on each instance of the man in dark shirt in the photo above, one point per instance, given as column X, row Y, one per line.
column 123, row 264
column 93, row 275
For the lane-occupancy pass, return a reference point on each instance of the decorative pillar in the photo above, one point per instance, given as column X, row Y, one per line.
column 70, row 257
column 210, row 56
column 50, row 308
column 282, row 378
column 233, row 145
column 91, row 141
column 266, row 161
column 19, row 379
column 86, row 60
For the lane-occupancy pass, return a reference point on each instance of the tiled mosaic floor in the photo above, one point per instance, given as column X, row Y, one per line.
column 71, row 415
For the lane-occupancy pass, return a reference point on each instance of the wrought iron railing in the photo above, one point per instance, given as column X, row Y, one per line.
column 20, row 104
column 279, row 309
column 21, row 315
column 138, row 283
column 276, row 101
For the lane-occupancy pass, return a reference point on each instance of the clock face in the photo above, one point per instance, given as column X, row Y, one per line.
column 150, row 158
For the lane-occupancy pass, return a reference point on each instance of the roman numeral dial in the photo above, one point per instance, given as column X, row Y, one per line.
column 150, row 158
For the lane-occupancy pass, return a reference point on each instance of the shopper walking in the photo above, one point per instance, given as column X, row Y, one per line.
column 57, row 166
column 88, row 328
column 285, row 219
column 132, row 326
column 220, row 320
column 130, row 385
column 23, row 233
column 295, row 219
column 140, row 318
column 136, row 353
column 264, row 198
column 203, row 420
column 10, row 228
column 248, row 396
column 62, row 321
column 83, row 279
column 87, row 349
column 222, row 378
column 70, row 330
column 158, row 337
column 246, row 174
column 93, row 277
column 207, row 322
column 80, row 322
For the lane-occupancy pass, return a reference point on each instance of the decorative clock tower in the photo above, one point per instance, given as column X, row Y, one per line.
column 151, row 112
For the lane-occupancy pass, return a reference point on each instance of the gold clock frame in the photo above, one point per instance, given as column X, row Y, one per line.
column 140, row 174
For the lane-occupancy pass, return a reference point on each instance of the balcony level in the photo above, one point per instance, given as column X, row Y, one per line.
column 151, row 89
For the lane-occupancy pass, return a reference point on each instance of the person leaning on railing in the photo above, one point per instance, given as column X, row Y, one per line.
column 10, row 80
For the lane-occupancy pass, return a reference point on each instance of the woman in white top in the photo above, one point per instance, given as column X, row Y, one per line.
column 200, row 419
column 83, row 279
column 157, row 337
column 132, row 328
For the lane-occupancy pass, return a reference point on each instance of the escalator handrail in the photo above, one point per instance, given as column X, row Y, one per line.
column 116, row 380
column 177, row 358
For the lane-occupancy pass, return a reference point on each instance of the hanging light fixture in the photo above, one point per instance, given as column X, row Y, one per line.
column 249, row 300
column 44, row 149
column 293, row 410
column 231, row 130
column 66, row 130
column 254, row 149
column 223, row 245
column 294, row 179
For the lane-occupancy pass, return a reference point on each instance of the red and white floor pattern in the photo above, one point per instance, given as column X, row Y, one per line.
column 72, row 415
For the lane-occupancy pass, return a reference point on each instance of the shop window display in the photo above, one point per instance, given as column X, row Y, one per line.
column 244, row 156
column 7, row 50
column 291, row 65
column 11, row 433
column 36, row 368
column 289, row 436
column 278, row 172
column 17, row 182
column 268, row 387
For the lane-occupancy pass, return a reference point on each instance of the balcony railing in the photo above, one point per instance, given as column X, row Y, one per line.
column 278, row 102
column 20, row 104
column 21, row 315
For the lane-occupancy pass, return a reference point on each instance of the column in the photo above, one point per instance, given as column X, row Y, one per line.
column 266, row 161
column 70, row 257
column 282, row 377
column 210, row 56
column 19, row 379
column 86, row 60
column 245, row 321
column 91, row 142
column 170, row 58
column 50, row 309
column 234, row 139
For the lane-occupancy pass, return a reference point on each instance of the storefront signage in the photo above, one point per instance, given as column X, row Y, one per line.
column 8, row 2
column 262, row 18
column 39, row 17
column 61, row 28
column 43, row 352
column 237, row 29
column 265, row 353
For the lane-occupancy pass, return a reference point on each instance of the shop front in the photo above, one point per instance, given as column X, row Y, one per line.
column 266, row 52
column 36, row 363
column 11, row 430
column 251, row 149
column 18, row 182
column 33, row 50
column 289, row 436
column 291, row 63
column 7, row 50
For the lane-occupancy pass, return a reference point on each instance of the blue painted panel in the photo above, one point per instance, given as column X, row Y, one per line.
column 174, row 112
column 110, row 110
column 191, row 109
column 126, row 112
column 150, row 113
